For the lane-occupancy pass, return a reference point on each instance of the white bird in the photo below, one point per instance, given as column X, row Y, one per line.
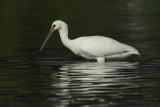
column 91, row 47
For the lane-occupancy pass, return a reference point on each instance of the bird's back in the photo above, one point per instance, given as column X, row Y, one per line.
column 100, row 46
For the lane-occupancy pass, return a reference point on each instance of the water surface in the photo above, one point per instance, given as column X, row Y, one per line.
column 58, row 78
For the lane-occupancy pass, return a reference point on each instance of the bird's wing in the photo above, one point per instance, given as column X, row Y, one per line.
column 100, row 46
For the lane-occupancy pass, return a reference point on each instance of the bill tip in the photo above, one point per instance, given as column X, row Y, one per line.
column 39, row 52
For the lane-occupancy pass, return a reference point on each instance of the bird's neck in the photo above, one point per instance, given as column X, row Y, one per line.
column 64, row 37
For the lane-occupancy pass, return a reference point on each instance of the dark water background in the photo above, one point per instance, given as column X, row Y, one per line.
column 58, row 78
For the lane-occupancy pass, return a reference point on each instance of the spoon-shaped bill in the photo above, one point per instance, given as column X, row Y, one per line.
column 45, row 41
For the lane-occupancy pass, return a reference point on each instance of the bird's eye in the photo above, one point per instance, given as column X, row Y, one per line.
column 54, row 25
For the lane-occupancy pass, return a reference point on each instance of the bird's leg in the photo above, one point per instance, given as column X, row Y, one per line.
column 100, row 59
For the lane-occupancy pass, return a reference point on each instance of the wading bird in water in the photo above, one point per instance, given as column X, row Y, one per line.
column 91, row 47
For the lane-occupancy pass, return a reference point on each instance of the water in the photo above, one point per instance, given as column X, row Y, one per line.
column 58, row 78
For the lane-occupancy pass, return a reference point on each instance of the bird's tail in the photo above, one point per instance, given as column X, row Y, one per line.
column 131, row 49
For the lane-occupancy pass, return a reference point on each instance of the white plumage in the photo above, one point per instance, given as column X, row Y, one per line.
column 91, row 47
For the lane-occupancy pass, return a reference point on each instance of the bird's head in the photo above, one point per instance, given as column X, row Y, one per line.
column 56, row 25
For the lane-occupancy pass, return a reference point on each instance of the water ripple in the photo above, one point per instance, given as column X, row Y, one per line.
column 97, row 82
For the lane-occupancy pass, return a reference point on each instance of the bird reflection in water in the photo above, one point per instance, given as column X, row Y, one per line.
column 90, row 81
